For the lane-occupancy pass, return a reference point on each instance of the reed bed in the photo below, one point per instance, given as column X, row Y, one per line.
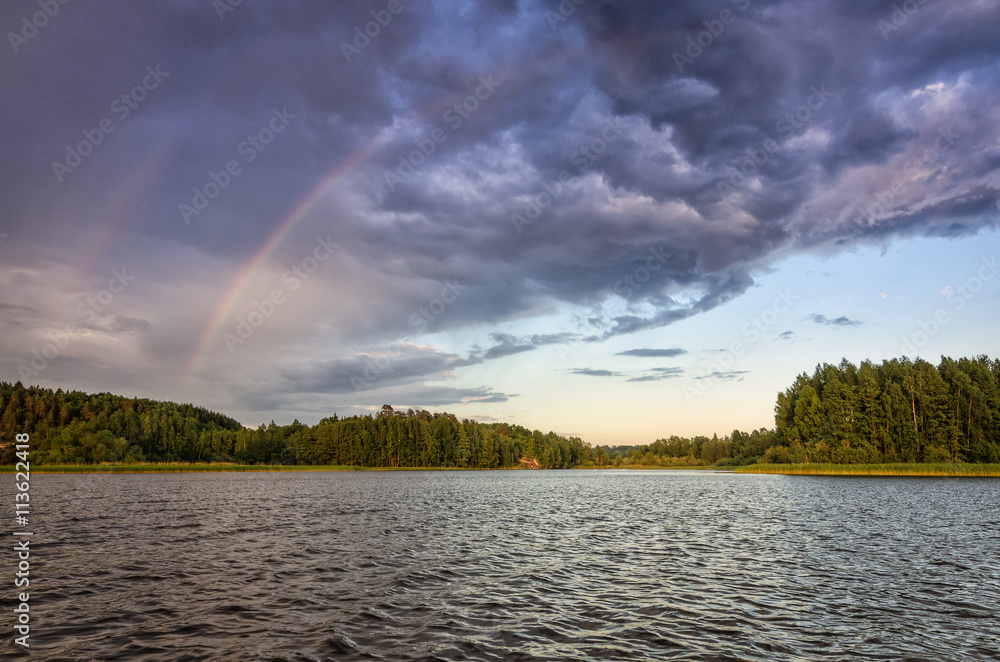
column 895, row 469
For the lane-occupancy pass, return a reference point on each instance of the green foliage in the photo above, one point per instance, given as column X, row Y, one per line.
column 77, row 428
column 878, row 469
column 737, row 449
column 899, row 411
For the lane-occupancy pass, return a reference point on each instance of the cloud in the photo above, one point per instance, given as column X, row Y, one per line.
column 727, row 376
column 786, row 335
column 653, row 353
column 658, row 374
column 595, row 373
column 839, row 321
column 401, row 397
column 903, row 145
column 506, row 346
column 402, row 364
column 126, row 324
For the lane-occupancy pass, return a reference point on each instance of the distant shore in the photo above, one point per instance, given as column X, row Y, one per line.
column 184, row 467
column 660, row 467
column 813, row 469
column 897, row 469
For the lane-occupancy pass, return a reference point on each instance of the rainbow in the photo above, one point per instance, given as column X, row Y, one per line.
column 123, row 199
column 234, row 294
column 294, row 217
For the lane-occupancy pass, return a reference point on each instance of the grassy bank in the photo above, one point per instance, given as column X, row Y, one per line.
column 184, row 467
column 899, row 469
column 694, row 467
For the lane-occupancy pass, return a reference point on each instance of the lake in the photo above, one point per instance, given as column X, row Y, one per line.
column 515, row 565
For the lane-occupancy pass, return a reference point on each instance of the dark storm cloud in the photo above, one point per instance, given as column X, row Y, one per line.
column 398, row 364
column 415, row 397
column 653, row 353
column 837, row 321
column 801, row 127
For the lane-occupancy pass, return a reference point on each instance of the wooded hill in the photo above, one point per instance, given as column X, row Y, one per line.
column 898, row 411
column 76, row 428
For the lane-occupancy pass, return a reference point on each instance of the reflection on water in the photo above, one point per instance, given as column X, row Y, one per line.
column 575, row 565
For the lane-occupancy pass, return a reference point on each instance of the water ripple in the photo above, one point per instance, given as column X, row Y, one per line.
column 588, row 566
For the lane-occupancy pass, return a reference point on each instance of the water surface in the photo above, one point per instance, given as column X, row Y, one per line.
column 573, row 565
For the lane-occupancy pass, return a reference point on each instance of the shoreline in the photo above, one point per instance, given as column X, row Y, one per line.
column 170, row 467
column 894, row 469
column 218, row 468
column 813, row 469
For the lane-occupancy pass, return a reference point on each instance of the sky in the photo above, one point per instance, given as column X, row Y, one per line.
column 620, row 220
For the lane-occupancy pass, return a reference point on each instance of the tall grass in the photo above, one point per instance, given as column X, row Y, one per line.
column 897, row 469
column 665, row 467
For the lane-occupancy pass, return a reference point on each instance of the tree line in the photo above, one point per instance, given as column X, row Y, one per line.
column 72, row 427
column 901, row 410
column 897, row 411
column 735, row 449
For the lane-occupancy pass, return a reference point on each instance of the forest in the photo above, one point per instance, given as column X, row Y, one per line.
column 897, row 411
column 71, row 427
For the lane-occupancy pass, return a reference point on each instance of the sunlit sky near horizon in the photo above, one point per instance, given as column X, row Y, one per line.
column 622, row 222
